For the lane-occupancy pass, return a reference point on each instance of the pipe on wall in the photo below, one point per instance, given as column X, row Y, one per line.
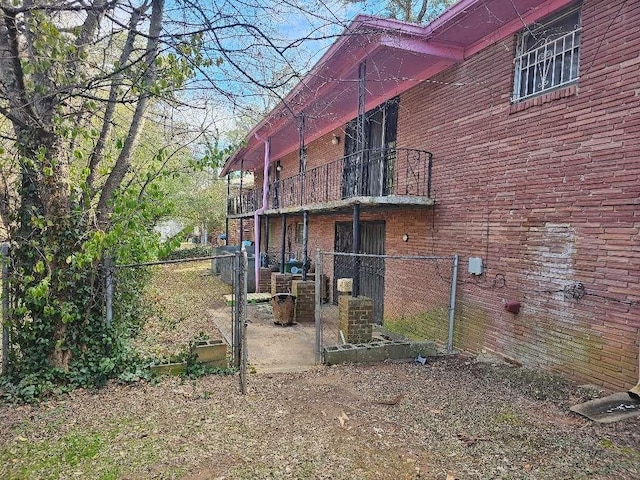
column 260, row 211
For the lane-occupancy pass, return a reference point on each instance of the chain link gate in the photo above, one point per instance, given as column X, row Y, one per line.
column 240, row 354
column 230, row 320
column 413, row 297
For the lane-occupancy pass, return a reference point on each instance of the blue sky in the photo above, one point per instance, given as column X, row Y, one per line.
column 228, row 91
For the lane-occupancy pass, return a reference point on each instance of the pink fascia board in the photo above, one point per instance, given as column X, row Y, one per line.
column 520, row 22
column 392, row 34
column 434, row 49
column 449, row 15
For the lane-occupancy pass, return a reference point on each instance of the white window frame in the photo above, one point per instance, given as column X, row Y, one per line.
column 547, row 58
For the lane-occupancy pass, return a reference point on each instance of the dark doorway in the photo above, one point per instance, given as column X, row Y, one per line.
column 368, row 168
column 371, row 269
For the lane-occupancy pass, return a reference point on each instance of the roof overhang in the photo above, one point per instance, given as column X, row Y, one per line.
column 399, row 56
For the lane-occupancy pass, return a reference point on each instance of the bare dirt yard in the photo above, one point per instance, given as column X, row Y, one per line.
column 453, row 418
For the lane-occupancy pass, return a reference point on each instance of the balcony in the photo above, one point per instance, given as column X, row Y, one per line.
column 245, row 203
column 369, row 177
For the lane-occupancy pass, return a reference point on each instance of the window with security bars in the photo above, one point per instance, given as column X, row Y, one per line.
column 548, row 56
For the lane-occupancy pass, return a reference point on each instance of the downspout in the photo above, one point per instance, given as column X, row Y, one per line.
column 260, row 211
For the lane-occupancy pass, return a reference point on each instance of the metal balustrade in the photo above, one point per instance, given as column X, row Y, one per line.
column 367, row 173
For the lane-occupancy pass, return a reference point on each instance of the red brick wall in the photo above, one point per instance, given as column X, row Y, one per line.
column 234, row 230
column 547, row 193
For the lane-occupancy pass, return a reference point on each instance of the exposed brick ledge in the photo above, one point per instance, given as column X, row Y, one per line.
column 544, row 98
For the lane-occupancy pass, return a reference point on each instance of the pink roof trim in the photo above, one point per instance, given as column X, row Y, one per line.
column 419, row 52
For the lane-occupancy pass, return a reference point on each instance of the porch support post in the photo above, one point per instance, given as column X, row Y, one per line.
column 360, row 125
column 266, row 234
column 283, row 241
column 356, row 249
column 301, row 156
column 362, row 100
column 258, row 213
column 258, row 242
column 241, row 186
column 301, row 146
column 226, row 220
column 241, row 235
column 305, row 244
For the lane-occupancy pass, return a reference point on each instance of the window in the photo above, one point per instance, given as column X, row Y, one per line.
column 299, row 233
column 547, row 56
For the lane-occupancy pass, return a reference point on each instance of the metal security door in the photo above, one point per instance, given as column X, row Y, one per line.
column 372, row 269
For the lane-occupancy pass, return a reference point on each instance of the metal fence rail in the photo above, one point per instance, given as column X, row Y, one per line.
column 413, row 296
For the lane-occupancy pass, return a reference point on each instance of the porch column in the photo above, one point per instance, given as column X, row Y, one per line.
column 356, row 250
column 305, row 238
column 266, row 235
column 258, row 241
column 241, row 186
column 241, row 236
column 360, row 127
column 301, row 156
column 258, row 212
column 283, row 241
column 226, row 220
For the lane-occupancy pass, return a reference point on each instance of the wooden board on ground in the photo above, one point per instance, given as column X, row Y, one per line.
column 251, row 298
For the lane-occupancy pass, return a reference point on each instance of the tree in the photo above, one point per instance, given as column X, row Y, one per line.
column 199, row 200
column 417, row 11
column 78, row 83
column 88, row 90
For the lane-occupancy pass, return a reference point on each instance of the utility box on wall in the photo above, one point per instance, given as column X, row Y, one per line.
column 475, row 265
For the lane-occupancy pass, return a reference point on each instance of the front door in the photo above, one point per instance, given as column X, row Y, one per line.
column 371, row 268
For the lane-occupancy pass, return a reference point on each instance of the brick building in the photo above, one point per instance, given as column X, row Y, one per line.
column 507, row 130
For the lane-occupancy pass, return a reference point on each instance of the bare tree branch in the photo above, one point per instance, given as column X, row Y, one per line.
column 98, row 150
column 122, row 163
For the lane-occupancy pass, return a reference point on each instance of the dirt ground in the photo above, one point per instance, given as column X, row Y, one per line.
column 452, row 418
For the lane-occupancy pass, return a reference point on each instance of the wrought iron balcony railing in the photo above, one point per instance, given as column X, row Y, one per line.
column 245, row 203
column 367, row 173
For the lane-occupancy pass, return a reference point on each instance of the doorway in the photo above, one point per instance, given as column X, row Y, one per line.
column 372, row 269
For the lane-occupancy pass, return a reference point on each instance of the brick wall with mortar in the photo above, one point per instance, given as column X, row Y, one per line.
column 355, row 318
column 305, row 293
column 281, row 282
column 265, row 279
column 545, row 191
column 234, row 230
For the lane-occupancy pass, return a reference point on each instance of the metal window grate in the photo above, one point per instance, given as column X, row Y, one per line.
column 540, row 68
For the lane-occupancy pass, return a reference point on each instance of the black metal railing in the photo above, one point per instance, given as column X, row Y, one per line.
column 367, row 173
column 246, row 202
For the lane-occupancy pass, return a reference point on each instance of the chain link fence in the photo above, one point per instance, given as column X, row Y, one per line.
column 413, row 297
column 183, row 300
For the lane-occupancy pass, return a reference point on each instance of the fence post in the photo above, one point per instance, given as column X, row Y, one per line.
column 242, row 302
column 235, row 330
column 5, row 307
column 452, row 302
column 318, row 307
column 108, row 266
